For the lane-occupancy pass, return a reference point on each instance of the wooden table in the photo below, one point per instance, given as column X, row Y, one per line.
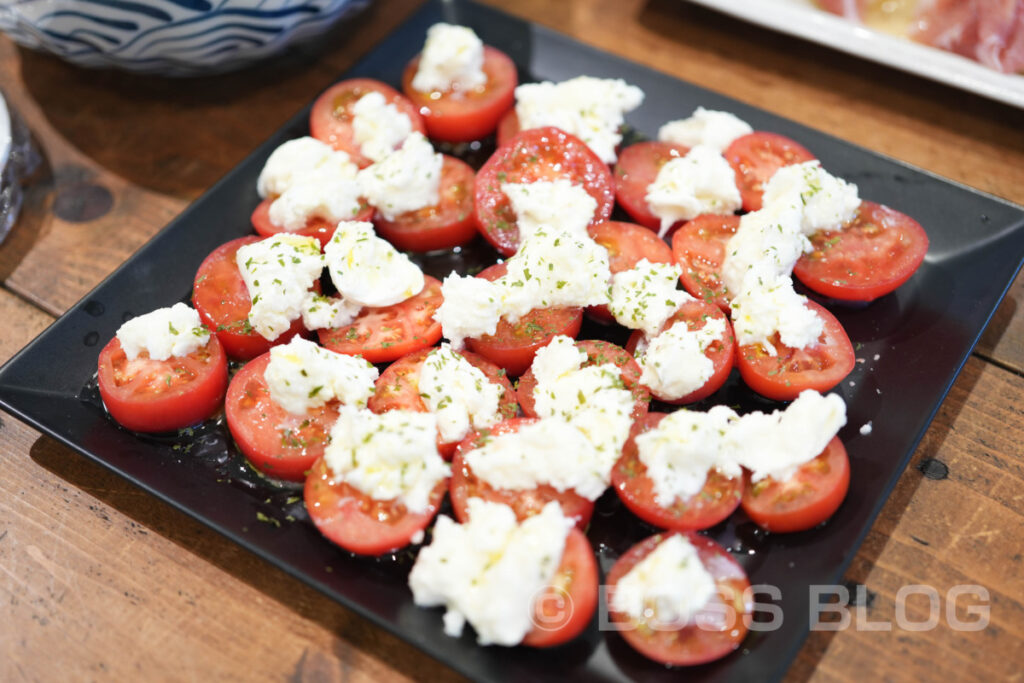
column 100, row 581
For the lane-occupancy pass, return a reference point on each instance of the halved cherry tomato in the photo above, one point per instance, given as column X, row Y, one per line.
column 709, row 506
column 276, row 442
column 508, row 127
column 358, row 523
column 398, row 388
column 536, row 154
column 638, row 166
column 806, row 499
column 223, row 302
column 568, row 603
column 867, row 258
column 319, row 228
column 513, row 346
column 381, row 335
column 715, row 631
column 787, row 372
column 598, row 353
column 627, row 244
column 695, row 314
column 442, row 226
column 459, row 115
column 699, row 248
column 331, row 117
column 755, row 157
column 147, row 395
column 526, row 503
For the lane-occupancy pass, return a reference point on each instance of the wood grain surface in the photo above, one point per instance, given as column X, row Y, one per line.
column 98, row 581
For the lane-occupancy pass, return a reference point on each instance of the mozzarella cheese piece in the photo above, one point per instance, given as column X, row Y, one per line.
column 758, row 312
column 367, row 270
column 378, row 127
column 391, row 456
column 700, row 182
column 458, row 393
column 327, row 312
column 766, row 245
column 490, row 570
column 668, row 587
column 471, row 307
column 592, row 109
column 645, row 297
column 715, row 129
column 278, row 272
column 674, row 363
column 452, row 58
column 825, row 201
column 405, row 180
column 302, row 375
column 557, row 204
column 165, row 332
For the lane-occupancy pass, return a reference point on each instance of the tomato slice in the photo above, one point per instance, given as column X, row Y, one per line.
column 442, row 226
column 146, row 395
column 398, row 388
column 526, row 503
column 381, row 335
column 867, row 258
column 222, row 300
column 598, row 353
column 459, row 115
column 627, row 245
column 565, row 608
column 358, row 523
column 709, row 506
column 755, row 157
column 532, row 155
column 513, row 346
column 699, row 248
column 638, row 166
column 806, row 499
column 695, row 314
column 319, row 228
column 784, row 375
column 508, row 127
column 716, row 630
column 276, row 442
column 330, row 120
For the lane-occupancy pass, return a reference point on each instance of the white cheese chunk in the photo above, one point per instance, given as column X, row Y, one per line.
column 302, row 375
column 773, row 306
column 674, row 364
column 557, row 204
column 490, row 570
column 405, row 180
column 165, row 332
column 700, row 182
column 452, row 59
column 379, row 128
column 825, row 201
column 367, row 270
column 645, row 297
column 716, row 129
column 278, row 272
column 668, row 587
column 472, row 307
column 458, row 393
column 327, row 312
column 766, row 245
column 293, row 161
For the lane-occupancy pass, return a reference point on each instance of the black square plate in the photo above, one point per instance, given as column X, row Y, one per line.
column 912, row 344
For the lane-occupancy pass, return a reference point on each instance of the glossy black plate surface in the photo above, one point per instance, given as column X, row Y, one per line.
column 912, row 344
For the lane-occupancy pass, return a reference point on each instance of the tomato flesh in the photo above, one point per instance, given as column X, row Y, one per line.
column 699, row 248
column 756, row 157
column 638, row 166
column 316, row 227
column 627, row 245
column 508, row 127
column 568, row 603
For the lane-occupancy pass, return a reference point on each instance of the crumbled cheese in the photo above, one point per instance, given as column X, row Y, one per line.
column 471, row 307
column 165, row 332
column 458, row 393
column 645, row 297
column 302, row 375
column 758, row 312
column 557, row 204
column 367, row 270
column 767, row 244
column 866, row 428
column 379, row 128
column 674, row 364
column 716, row 129
column 405, row 180
column 825, row 201
column 452, row 58
column 289, row 164
column 700, row 182
column 278, row 272
column 668, row 587
column 490, row 570
column 328, row 312
column 592, row 109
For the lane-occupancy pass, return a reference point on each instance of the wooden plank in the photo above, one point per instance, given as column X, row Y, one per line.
column 1003, row 341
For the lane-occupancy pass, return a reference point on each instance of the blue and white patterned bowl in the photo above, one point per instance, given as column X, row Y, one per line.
column 172, row 37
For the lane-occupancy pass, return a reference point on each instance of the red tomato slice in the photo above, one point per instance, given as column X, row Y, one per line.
column 869, row 257
column 222, row 300
column 381, row 335
column 146, row 395
column 508, row 127
column 276, row 442
column 598, row 353
column 784, row 375
column 712, row 504
column 567, row 605
column 699, row 248
column 627, row 245
column 513, row 347
column 442, row 226
column 756, row 157
column 716, row 630
column 526, row 503
column 638, row 166
column 398, row 388
column 319, row 228
column 331, row 117
column 358, row 523
column 695, row 314
column 459, row 115
column 806, row 499
column 537, row 154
